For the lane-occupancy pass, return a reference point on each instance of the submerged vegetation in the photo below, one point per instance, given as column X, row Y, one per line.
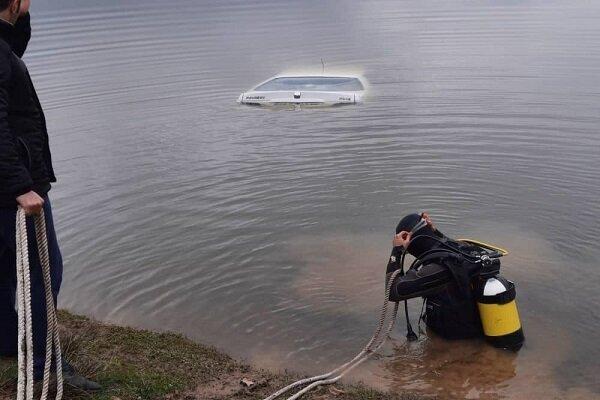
column 136, row 364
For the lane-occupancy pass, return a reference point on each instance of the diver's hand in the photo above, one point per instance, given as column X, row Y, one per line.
column 24, row 7
column 427, row 219
column 31, row 202
column 402, row 239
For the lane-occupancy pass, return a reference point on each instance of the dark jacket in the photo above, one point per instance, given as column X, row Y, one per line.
column 429, row 279
column 25, row 160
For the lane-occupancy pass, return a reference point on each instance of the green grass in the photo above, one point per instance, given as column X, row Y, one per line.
column 134, row 364
column 130, row 364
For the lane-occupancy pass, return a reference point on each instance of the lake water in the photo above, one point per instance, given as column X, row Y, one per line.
column 266, row 232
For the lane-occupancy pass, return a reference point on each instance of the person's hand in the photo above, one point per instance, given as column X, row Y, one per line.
column 427, row 219
column 402, row 239
column 31, row 202
column 24, row 7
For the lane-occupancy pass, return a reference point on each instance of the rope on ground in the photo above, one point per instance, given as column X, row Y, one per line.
column 374, row 344
column 25, row 328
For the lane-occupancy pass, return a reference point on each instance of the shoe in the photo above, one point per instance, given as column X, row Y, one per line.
column 72, row 378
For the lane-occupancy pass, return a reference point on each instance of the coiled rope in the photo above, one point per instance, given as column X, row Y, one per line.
column 25, row 328
column 374, row 344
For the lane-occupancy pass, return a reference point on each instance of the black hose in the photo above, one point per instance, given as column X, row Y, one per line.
column 411, row 336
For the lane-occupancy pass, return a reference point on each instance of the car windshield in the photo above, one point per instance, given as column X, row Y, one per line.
column 312, row 84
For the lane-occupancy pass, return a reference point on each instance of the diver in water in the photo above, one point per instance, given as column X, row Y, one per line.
column 441, row 274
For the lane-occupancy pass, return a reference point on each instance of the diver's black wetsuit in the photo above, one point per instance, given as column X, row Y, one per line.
column 447, row 284
column 427, row 280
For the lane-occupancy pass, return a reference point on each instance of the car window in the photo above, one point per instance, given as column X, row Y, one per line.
column 312, row 83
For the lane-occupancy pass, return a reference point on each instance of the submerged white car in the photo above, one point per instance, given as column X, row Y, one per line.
column 306, row 90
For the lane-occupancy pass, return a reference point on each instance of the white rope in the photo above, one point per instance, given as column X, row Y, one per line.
column 25, row 328
column 374, row 344
column 25, row 346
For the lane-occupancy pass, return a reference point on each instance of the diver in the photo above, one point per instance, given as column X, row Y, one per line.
column 451, row 276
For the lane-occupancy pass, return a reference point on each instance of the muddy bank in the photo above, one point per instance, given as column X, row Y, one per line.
column 137, row 364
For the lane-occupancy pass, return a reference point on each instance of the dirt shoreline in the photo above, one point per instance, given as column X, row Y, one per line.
column 134, row 364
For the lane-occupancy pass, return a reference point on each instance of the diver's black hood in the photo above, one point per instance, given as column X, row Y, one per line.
column 423, row 240
column 408, row 222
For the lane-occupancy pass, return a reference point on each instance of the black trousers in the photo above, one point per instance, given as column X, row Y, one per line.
column 8, row 284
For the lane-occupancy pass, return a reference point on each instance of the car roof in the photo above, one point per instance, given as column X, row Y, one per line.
column 313, row 76
column 309, row 75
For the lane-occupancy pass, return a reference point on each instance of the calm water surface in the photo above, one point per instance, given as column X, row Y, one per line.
column 266, row 232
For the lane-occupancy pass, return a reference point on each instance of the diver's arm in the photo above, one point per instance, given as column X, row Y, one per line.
column 427, row 280
column 393, row 263
column 394, row 260
column 400, row 241
column 435, row 230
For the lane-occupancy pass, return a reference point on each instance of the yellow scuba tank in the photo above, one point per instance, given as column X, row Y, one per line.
column 497, row 305
column 499, row 314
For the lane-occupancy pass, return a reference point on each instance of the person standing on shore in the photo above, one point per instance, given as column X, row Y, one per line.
column 26, row 175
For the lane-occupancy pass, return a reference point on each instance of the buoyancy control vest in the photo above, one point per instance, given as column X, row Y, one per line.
column 451, row 316
column 447, row 275
column 449, row 262
column 452, row 312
